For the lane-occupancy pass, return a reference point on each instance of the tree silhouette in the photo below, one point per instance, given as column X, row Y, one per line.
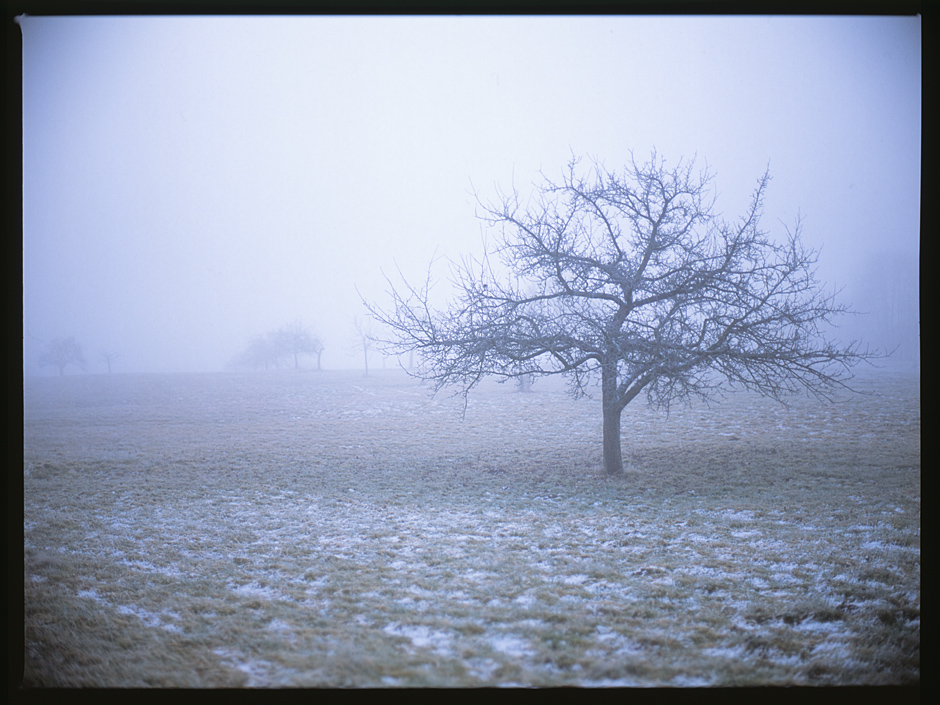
column 290, row 341
column 363, row 339
column 295, row 340
column 631, row 280
column 61, row 353
column 109, row 358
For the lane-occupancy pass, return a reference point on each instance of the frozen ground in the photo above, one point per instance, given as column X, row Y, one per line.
column 322, row 529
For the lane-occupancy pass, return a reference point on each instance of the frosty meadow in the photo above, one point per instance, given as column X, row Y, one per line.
column 303, row 528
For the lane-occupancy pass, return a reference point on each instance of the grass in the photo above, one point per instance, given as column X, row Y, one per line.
column 322, row 529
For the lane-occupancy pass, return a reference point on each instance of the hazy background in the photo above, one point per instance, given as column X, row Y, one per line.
column 191, row 182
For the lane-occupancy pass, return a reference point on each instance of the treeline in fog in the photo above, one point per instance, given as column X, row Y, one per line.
column 283, row 347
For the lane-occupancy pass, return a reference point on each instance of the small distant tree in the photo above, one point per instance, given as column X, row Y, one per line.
column 61, row 353
column 109, row 358
column 268, row 350
column 258, row 354
column 524, row 383
column 317, row 348
column 295, row 340
column 279, row 345
column 363, row 339
column 632, row 281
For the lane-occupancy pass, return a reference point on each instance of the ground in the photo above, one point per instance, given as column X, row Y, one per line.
column 303, row 528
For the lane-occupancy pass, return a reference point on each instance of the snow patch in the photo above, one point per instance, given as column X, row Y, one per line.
column 423, row 637
column 813, row 626
column 510, row 645
column 737, row 653
column 169, row 571
column 698, row 539
column 276, row 625
column 611, row 683
column 575, row 579
column 683, row 681
column 151, row 619
column 259, row 671
column 745, row 534
column 482, row 669
column 875, row 546
column 256, row 590
column 742, row 515
column 833, row 649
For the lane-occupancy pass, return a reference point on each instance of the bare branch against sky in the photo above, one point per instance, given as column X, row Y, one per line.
column 190, row 182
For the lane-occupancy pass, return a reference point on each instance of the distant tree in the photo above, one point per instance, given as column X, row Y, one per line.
column 279, row 344
column 61, row 353
column 268, row 350
column 363, row 339
column 317, row 348
column 636, row 283
column 524, row 382
column 258, row 354
column 109, row 358
column 296, row 340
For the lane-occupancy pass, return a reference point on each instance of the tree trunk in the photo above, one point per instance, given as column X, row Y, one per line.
column 613, row 458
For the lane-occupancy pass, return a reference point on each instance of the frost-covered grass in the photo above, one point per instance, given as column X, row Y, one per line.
column 321, row 529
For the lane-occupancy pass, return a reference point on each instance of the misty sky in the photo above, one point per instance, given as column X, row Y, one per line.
column 190, row 182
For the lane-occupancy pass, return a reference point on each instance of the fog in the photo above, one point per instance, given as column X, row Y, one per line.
column 191, row 182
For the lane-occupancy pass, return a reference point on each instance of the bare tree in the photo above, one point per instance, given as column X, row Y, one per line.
column 524, row 383
column 279, row 345
column 258, row 353
column 364, row 339
column 109, row 358
column 631, row 279
column 291, row 341
column 296, row 340
column 317, row 349
column 61, row 353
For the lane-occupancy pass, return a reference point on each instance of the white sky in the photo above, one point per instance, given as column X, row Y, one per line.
column 189, row 182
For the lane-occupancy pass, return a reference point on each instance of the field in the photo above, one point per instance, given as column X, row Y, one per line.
column 298, row 528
